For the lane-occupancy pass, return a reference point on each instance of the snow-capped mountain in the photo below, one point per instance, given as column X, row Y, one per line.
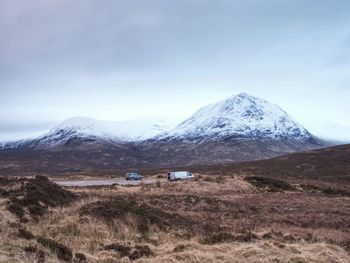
column 12, row 144
column 115, row 131
column 240, row 128
column 90, row 130
column 241, row 116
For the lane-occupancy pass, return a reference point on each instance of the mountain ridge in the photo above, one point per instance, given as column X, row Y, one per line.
column 240, row 116
column 240, row 128
column 90, row 129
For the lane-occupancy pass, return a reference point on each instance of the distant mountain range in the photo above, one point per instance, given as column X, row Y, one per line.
column 240, row 128
column 93, row 130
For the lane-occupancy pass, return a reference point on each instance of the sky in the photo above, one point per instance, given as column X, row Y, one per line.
column 121, row 59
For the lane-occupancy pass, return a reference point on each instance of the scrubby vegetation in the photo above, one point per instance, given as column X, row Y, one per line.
column 80, row 257
column 63, row 252
column 244, row 219
column 269, row 184
column 325, row 190
column 145, row 215
column 133, row 253
column 34, row 195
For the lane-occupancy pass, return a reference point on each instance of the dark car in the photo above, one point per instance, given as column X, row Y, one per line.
column 133, row 176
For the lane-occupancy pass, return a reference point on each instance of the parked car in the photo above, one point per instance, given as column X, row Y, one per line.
column 133, row 176
column 182, row 175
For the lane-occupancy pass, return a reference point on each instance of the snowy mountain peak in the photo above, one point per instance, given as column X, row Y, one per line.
column 115, row 131
column 243, row 95
column 78, row 122
column 240, row 116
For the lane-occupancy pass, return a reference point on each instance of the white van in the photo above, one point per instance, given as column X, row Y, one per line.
column 182, row 175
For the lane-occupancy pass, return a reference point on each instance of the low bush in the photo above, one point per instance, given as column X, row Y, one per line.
column 325, row 190
column 80, row 257
column 192, row 199
column 220, row 237
column 246, row 237
column 220, row 179
column 133, row 253
column 224, row 237
column 15, row 209
column 62, row 252
column 146, row 215
column 140, row 251
column 209, row 179
column 23, row 233
column 37, row 195
column 121, row 249
column 30, row 249
column 269, row 184
column 179, row 248
column 39, row 254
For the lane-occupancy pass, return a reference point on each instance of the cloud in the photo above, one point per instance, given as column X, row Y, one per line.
column 62, row 58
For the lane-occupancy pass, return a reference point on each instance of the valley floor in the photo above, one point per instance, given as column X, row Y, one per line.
column 213, row 219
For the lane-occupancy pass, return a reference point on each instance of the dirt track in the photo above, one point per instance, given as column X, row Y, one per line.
column 104, row 182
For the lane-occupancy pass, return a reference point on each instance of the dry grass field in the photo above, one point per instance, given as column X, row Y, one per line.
column 213, row 219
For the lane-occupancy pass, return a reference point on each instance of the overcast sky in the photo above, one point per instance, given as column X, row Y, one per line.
column 120, row 59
